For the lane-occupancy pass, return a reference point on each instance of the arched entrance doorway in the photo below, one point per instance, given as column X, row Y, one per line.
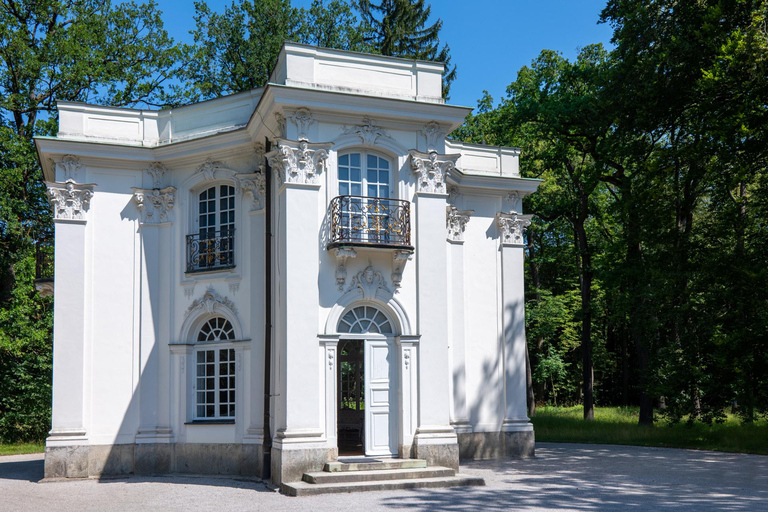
column 367, row 399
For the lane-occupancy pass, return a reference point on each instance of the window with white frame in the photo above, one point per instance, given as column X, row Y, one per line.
column 365, row 319
column 213, row 247
column 215, row 371
column 364, row 174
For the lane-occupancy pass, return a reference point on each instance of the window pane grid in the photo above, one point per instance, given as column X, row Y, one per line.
column 215, row 372
column 364, row 319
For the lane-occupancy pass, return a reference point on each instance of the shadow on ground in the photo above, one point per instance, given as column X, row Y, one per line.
column 29, row 470
column 600, row 478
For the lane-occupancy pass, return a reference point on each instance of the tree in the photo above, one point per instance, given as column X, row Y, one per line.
column 399, row 28
column 52, row 50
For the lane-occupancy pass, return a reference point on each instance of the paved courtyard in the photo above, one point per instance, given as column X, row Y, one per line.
column 569, row 477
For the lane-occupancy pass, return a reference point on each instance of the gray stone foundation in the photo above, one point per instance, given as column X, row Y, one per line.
column 290, row 465
column 96, row 461
column 445, row 455
column 494, row 445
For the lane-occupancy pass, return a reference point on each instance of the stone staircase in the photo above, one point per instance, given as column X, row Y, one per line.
column 355, row 475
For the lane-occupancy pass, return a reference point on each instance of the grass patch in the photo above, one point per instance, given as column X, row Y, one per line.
column 21, row 448
column 618, row 425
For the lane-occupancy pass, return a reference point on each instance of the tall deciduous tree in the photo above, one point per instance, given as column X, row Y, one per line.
column 399, row 28
column 52, row 50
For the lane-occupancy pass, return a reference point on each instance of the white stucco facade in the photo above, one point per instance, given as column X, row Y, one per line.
column 155, row 274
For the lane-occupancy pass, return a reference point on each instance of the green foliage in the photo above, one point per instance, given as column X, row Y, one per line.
column 53, row 51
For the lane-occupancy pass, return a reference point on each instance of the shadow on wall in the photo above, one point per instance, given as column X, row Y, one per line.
column 599, row 478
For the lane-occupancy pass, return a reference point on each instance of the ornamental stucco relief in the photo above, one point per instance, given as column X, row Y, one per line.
column 431, row 170
column 432, row 135
column 456, row 222
column 512, row 226
column 157, row 172
column 399, row 259
column 70, row 201
column 298, row 161
column 303, row 119
column 155, row 205
column 369, row 132
column 69, row 165
column 210, row 302
column 369, row 281
column 254, row 185
column 342, row 255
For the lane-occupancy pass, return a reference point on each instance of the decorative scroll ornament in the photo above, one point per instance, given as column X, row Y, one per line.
column 399, row 258
column 369, row 132
column 369, row 281
column 432, row 134
column 513, row 202
column 512, row 226
column 453, row 194
column 70, row 201
column 431, row 170
column 210, row 302
column 342, row 255
column 298, row 161
column 155, row 205
column 261, row 159
column 157, row 171
column 303, row 119
column 255, row 185
column 280, row 121
column 209, row 168
column 69, row 165
column 456, row 222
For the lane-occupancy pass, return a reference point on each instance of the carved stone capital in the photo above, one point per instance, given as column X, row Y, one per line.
column 70, row 200
column 303, row 119
column 512, row 226
column 155, row 205
column 298, row 161
column 68, row 168
column 255, row 185
column 456, row 222
column 157, row 171
column 369, row 132
column 399, row 259
column 431, row 170
column 370, row 282
column 342, row 255
column 432, row 135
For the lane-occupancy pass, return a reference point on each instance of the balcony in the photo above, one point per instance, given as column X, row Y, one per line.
column 211, row 250
column 370, row 221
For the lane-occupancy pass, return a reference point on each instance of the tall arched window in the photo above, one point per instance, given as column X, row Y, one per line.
column 215, row 371
column 364, row 174
column 365, row 319
column 214, row 245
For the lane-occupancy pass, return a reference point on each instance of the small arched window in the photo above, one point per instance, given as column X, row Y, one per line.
column 215, row 371
column 365, row 319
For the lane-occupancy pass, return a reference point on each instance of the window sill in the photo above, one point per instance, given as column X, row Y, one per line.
column 210, row 422
column 210, row 270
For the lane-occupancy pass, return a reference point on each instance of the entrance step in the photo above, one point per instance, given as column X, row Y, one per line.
column 376, row 465
column 308, row 489
column 373, row 475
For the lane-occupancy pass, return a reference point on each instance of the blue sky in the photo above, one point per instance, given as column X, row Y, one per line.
column 490, row 40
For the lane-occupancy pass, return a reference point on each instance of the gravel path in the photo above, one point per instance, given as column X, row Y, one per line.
column 569, row 477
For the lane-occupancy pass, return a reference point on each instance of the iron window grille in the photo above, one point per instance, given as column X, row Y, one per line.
column 374, row 221
column 211, row 250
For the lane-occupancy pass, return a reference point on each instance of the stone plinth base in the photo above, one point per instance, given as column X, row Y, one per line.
column 86, row 461
column 289, row 465
column 494, row 445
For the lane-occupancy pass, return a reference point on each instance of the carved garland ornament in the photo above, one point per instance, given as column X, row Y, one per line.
column 210, row 302
column 69, row 165
column 512, row 226
column 70, row 201
column 303, row 119
column 157, row 171
column 155, row 205
column 369, row 132
column 456, row 222
column 298, row 161
column 431, row 170
column 432, row 134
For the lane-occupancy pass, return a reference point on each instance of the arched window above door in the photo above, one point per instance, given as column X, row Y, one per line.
column 363, row 320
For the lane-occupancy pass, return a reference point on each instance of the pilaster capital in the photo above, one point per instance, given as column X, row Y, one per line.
column 299, row 162
column 456, row 222
column 431, row 170
column 511, row 227
column 70, row 200
column 155, row 205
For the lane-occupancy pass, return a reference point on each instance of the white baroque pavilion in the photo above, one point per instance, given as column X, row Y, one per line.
column 266, row 283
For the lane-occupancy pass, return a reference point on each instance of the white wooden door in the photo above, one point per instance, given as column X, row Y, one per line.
column 380, row 403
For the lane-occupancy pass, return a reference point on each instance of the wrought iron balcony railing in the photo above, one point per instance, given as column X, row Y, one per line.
column 211, row 250
column 374, row 221
column 43, row 260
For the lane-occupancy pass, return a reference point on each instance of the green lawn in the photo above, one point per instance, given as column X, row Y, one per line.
column 618, row 425
column 18, row 449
